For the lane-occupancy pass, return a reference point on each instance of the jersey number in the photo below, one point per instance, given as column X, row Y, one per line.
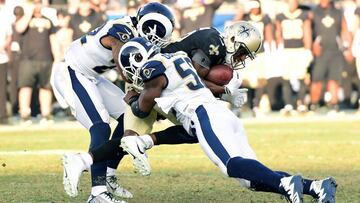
column 183, row 67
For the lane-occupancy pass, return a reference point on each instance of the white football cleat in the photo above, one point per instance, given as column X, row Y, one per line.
column 325, row 190
column 104, row 197
column 136, row 147
column 292, row 188
column 73, row 165
column 116, row 189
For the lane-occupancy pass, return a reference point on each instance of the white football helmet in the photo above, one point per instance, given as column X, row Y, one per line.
column 242, row 40
column 132, row 56
column 155, row 23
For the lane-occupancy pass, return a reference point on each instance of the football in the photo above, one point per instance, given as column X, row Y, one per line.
column 220, row 74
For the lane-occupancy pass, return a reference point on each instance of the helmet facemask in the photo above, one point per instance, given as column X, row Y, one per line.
column 156, row 28
column 137, row 57
column 238, row 57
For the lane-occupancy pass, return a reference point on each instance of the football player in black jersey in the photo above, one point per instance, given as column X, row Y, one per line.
column 293, row 36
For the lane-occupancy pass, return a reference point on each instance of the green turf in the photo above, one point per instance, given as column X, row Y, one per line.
column 183, row 173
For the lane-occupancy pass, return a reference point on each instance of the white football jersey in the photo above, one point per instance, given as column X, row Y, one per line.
column 88, row 56
column 184, row 91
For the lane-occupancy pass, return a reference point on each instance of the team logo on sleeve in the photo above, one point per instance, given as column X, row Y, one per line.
column 147, row 72
column 125, row 35
column 213, row 50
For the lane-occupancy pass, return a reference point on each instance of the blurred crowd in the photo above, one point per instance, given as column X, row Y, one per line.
column 309, row 60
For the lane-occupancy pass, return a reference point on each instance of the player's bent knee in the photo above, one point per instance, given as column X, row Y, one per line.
column 100, row 133
column 233, row 166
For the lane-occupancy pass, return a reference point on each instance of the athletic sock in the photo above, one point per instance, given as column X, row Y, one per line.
column 117, row 134
column 107, row 151
column 110, row 171
column 254, row 171
column 174, row 135
column 100, row 133
column 261, row 187
column 96, row 190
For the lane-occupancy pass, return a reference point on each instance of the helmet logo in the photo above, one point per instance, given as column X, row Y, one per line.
column 123, row 36
column 147, row 72
column 244, row 31
column 213, row 50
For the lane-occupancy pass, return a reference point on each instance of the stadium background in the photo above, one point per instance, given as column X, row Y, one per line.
column 315, row 144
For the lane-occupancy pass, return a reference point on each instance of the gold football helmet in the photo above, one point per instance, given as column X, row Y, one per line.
column 242, row 40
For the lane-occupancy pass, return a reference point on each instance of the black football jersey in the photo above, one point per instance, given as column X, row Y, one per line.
column 206, row 41
column 327, row 26
column 292, row 28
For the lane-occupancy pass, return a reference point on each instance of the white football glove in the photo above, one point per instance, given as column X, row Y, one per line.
column 233, row 84
column 238, row 98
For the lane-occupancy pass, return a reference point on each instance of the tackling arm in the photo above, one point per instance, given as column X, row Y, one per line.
column 146, row 101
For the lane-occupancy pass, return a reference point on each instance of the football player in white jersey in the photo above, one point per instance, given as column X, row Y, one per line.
column 93, row 99
column 327, row 185
column 171, row 82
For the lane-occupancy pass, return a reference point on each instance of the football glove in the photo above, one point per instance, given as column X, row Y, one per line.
column 233, row 84
column 238, row 98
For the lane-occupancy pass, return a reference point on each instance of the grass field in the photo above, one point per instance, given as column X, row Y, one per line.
column 31, row 171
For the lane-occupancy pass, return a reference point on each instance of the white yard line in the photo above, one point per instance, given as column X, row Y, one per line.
column 61, row 152
column 36, row 152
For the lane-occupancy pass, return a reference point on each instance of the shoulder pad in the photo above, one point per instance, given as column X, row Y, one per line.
column 152, row 69
column 122, row 31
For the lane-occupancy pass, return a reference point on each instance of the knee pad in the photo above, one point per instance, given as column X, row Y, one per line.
column 100, row 133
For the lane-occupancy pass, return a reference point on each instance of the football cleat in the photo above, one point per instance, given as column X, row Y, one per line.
column 135, row 147
column 73, row 165
column 292, row 188
column 114, row 188
column 104, row 197
column 325, row 190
